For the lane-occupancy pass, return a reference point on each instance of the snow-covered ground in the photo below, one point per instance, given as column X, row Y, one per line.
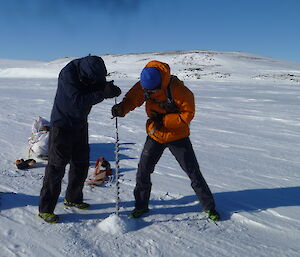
column 246, row 135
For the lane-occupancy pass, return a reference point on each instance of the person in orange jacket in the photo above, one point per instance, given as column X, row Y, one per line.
column 170, row 107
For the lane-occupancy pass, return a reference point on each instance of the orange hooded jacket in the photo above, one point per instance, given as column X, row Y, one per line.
column 175, row 125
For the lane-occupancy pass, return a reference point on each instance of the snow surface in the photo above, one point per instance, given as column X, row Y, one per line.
column 246, row 135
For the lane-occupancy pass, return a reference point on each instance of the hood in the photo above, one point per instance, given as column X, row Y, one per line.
column 164, row 69
column 92, row 68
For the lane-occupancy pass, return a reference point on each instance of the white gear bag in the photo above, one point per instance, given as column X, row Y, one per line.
column 39, row 140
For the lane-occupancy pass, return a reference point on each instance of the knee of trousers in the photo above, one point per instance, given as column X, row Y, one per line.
column 57, row 162
column 54, row 173
column 143, row 179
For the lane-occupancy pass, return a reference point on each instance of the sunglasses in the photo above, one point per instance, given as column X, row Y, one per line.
column 149, row 92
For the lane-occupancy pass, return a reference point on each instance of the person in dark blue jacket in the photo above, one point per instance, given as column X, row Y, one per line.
column 81, row 84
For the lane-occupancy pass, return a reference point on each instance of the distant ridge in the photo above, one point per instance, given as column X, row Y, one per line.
column 206, row 65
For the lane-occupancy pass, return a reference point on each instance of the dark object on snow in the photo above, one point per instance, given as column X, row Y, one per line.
column 24, row 165
column 43, row 157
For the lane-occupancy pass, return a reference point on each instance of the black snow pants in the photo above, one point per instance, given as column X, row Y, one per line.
column 65, row 146
column 183, row 152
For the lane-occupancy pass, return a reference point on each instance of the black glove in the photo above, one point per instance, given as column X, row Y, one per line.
column 116, row 111
column 110, row 90
column 157, row 118
column 170, row 107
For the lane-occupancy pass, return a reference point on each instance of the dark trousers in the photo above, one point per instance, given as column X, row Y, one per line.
column 65, row 146
column 183, row 151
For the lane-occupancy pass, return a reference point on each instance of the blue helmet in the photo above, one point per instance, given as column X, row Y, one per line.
column 150, row 78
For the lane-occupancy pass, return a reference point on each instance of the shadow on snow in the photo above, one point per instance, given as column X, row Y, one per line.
column 107, row 150
column 235, row 201
column 227, row 203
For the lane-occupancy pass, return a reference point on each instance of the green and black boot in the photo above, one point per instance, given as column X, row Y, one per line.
column 81, row 206
column 213, row 215
column 49, row 217
column 137, row 213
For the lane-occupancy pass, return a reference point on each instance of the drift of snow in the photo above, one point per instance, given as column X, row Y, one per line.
column 116, row 225
column 246, row 136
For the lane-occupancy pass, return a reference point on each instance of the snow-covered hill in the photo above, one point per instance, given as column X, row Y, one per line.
column 194, row 65
column 246, row 135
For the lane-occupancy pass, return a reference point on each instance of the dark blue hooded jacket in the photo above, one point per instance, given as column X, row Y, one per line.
column 80, row 86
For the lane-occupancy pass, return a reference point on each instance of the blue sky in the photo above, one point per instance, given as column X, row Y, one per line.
column 49, row 29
